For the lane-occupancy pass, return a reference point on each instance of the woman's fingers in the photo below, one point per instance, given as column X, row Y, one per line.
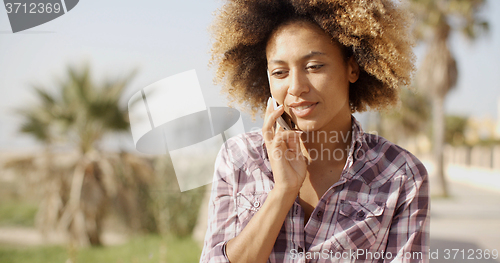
column 282, row 146
column 288, row 143
column 290, row 138
column 270, row 120
column 284, row 151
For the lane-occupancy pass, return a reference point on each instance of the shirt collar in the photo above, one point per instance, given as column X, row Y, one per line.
column 358, row 138
column 357, row 142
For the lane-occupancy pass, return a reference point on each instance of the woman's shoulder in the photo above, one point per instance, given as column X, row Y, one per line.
column 246, row 148
column 388, row 154
column 246, row 156
column 248, row 141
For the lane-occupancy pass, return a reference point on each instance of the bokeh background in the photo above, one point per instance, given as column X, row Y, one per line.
column 74, row 189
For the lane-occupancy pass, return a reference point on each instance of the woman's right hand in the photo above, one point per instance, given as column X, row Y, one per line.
column 256, row 240
column 283, row 148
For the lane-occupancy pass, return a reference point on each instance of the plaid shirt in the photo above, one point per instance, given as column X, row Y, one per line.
column 377, row 212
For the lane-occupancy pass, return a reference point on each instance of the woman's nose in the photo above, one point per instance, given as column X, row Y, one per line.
column 298, row 83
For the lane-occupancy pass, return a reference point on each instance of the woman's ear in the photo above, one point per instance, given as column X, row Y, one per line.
column 352, row 69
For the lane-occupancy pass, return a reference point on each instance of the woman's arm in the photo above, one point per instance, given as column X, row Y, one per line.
column 408, row 239
column 256, row 241
column 221, row 208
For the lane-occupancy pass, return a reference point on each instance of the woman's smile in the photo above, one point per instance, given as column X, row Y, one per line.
column 302, row 109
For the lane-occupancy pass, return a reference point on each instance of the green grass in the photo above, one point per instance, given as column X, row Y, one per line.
column 33, row 255
column 17, row 213
column 140, row 249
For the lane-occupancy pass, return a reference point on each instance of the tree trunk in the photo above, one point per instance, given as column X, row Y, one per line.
column 438, row 131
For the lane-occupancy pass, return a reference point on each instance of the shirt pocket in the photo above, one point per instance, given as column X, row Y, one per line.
column 358, row 225
column 247, row 204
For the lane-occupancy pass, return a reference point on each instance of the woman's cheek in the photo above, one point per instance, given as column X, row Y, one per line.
column 279, row 94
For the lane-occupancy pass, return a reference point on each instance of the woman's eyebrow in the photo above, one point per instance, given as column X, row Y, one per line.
column 308, row 56
column 313, row 53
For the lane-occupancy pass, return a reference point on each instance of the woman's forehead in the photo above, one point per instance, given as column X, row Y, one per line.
column 296, row 25
column 304, row 36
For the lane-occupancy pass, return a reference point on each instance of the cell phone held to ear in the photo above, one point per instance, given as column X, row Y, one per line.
column 284, row 120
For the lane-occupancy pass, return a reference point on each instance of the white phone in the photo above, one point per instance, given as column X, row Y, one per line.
column 285, row 126
column 280, row 119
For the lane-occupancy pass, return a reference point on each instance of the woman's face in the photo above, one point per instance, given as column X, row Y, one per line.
column 309, row 76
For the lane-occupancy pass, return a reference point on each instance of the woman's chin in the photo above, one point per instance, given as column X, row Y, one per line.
column 307, row 126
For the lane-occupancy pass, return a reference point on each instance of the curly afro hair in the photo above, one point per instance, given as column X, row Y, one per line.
column 375, row 32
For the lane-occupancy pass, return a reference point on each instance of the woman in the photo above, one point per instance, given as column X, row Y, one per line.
column 324, row 191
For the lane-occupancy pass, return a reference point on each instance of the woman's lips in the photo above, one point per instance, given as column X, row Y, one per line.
column 303, row 110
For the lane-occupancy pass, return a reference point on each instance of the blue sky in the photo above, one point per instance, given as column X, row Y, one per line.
column 163, row 38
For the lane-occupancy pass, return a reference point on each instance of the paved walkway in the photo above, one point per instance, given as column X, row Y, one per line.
column 469, row 220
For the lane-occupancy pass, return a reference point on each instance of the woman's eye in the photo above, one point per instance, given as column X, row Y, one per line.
column 313, row 67
column 278, row 73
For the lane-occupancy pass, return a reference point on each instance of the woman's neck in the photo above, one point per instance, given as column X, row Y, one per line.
column 329, row 146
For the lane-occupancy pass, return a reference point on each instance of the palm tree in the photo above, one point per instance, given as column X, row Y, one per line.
column 76, row 193
column 75, row 196
column 438, row 73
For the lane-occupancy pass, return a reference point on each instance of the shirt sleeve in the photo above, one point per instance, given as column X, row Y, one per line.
column 408, row 239
column 221, row 209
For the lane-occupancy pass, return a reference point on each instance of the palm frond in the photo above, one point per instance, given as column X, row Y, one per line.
column 46, row 98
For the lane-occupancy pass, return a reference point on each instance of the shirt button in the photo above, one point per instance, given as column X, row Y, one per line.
column 256, row 204
column 319, row 214
column 359, row 153
column 361, row 214
column 300, row 250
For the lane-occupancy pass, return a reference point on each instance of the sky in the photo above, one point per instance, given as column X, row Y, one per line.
column 164, row 38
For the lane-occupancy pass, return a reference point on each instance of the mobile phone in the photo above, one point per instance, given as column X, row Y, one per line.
column 285, row 126
column 280, row 119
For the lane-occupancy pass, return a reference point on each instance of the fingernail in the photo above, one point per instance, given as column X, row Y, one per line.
column 275, row 104
column 269, row 101
column 299, row 132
